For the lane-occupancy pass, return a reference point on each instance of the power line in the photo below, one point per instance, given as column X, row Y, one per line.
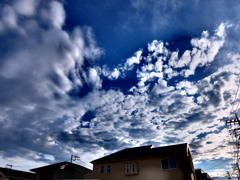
column 215, row 166
column 236, row 95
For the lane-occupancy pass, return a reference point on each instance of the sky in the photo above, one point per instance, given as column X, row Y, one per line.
column 89, row 78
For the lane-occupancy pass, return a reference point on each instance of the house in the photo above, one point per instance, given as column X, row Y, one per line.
column 11, row 174
column 201, row 175
column 142, row 163
column 63, row 170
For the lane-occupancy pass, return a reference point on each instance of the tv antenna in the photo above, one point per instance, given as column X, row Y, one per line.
column 9, row 166
column 74, row 158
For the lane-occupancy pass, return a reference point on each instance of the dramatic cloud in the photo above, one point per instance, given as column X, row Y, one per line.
column 58, row 99
column 40, row 65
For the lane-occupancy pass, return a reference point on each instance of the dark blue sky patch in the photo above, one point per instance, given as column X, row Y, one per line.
column 180, row 44
column 86, row 119
column 104, row 15
column 79, row 93
column 122, row 83
column 200, row 73
column 202, row 135
column 115, row 34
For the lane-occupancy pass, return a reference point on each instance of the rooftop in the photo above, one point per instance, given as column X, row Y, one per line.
column 16, row 173
column 62, row 165
column 142, row 152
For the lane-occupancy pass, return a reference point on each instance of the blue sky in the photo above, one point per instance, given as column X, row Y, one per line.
column 92, row 77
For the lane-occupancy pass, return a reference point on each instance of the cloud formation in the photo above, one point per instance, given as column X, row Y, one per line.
column 54, row 91
column 40, row 65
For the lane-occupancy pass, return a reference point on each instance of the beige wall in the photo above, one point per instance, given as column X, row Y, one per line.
column 147, row 169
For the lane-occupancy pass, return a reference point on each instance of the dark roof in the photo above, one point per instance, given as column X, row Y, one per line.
column 143, row 152
column 16, row 173
column 64, row 165
column 200, row 174
column 199, row 171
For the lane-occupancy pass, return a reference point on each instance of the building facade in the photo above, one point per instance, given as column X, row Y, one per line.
column 141, row 163
column 63, row 171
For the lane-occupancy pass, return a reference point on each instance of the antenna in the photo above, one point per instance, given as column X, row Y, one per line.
column 9, row 166
column 74, row 158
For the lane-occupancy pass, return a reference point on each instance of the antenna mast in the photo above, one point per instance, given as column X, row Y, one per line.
column 74, row 158
column 234, row 131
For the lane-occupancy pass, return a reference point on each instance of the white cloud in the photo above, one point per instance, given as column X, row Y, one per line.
column 205, row 49
column 44, row 65
column 115, row 74
column 55, row 14
column 26, row 7
column 20, row 163
column 184, row 60
column 134, row 59
column 94, row 78
column 187, row 87
column 159, row 65
column 157, row 47
column 10, row 18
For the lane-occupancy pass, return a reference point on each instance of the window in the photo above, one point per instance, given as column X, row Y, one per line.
column 102, row 169
column 169, row 163
column 105, row 169
column 131, row 169
column 108, row 168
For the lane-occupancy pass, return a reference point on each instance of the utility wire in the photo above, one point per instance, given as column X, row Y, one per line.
column 239, row 98
column 215, row 166
column 236, row 95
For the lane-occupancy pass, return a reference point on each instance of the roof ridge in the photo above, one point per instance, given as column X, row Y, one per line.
column 59, row 164
column 139, row 152
column 139, row 147
column 16, row 170
column 171, row 145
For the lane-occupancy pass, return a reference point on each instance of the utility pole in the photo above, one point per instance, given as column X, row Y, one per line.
column 229, row 177
column 238, row 176
column 235, row 133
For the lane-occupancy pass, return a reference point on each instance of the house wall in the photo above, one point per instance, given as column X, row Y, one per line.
column 61, row 174
column 88, row 176
column 150, row 168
